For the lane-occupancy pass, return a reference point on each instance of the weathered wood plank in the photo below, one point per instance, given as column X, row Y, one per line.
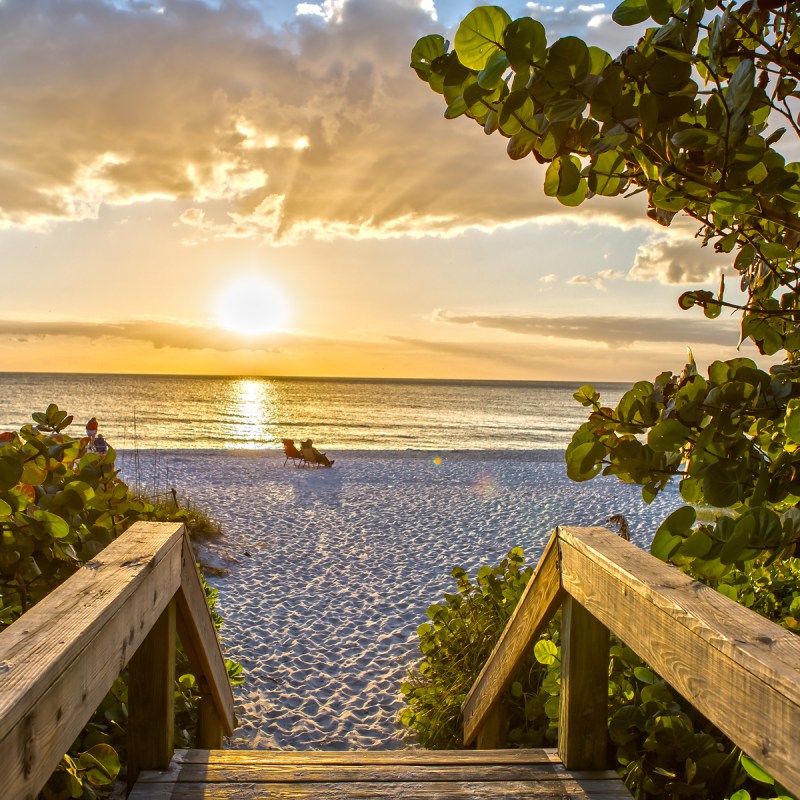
column 59, row 660
column 493, row 733
column 489, row 790
column 392, row 773
column 209, row 727
column 541, row 598
column 151, row 690
column 152, row 791
column 583, row 715
column 355, row 757
column 716, row 653
column 199, row 639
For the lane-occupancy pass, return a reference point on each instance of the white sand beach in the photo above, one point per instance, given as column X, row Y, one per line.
column 330, row 571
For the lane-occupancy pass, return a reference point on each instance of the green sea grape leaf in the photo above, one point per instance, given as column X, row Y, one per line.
column 668, row 435
column 480, row 35
column 631, row 12
column 697, row 545
column 741, row 86
column 426, row 50
column 756, row 772
column 10, row 472
column 734, row 202
column 56, row 526
column 587, row 395
column 568, row 62
column 525, row 42
column 545, row 651
column 492, row 74
column 721, row 486
column 100, row 764
column 791, row 425
column 672, row 532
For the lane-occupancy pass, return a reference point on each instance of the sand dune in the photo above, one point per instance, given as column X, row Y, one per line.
column 332, row 570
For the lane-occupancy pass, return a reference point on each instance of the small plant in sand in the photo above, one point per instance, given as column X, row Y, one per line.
column 455, row 645
column 60, row 504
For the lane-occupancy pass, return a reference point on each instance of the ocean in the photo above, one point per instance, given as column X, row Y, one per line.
column 172, row 412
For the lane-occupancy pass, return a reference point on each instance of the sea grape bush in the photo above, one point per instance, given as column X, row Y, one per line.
column 732, row 440
column 662, row 746
column 60, row 504
column 455, row 644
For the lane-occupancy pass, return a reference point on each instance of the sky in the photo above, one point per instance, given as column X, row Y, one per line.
column 245, row 187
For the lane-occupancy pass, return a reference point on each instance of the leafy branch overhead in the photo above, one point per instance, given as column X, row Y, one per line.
column 687, row 115
column 684, row 116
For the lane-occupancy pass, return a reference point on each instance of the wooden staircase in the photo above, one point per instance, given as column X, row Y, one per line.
column 374, row 775
column 58, row 661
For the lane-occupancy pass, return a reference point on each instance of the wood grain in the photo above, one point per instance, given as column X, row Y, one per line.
column 737, row 668
column 344, row 757
column 151, row 691
column 583, row 714
column 59, row 660
column 536, row 607
column 332, row 773
column 416, row 790
column 393, row 774
column 494, row 731
column 200, row 641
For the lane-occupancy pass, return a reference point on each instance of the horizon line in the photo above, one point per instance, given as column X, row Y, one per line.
column 320, row 378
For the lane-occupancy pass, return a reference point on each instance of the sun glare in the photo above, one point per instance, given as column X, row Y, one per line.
column 252, row 306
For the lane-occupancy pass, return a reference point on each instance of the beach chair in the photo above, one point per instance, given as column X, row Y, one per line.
column 292, row 452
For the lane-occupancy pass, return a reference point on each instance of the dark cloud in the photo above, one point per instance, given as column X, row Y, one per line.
column 207, row 104
column 489, row 351
column 614, row 331
column 159, row 334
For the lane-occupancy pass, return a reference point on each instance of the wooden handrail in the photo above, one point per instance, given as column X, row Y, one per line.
column 539, row 601
column 738, row 669
column 59, row 660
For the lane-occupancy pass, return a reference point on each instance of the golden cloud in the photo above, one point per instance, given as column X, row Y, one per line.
column 314, row 129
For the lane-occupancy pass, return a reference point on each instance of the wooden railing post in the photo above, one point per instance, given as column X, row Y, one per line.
column 583, row 716
column 493, row 733
column 151, row 687
column 209, row 726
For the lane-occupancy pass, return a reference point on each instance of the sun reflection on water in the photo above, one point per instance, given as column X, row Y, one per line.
column 252, row 414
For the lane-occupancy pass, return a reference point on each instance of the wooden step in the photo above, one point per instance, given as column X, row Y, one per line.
column 373, row 774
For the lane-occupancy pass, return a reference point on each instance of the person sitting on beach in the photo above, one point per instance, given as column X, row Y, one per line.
column 100, row 444
column 320, row 458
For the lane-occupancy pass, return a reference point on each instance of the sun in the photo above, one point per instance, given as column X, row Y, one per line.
column 252, row 306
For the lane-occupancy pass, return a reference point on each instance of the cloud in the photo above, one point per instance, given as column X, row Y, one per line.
column 597, row 280
column 208, row 105
column 678, row 258
column 550, row 278
column 615, row 331
column 159, row 334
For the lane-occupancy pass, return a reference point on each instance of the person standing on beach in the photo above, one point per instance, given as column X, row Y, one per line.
column 91, row 431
